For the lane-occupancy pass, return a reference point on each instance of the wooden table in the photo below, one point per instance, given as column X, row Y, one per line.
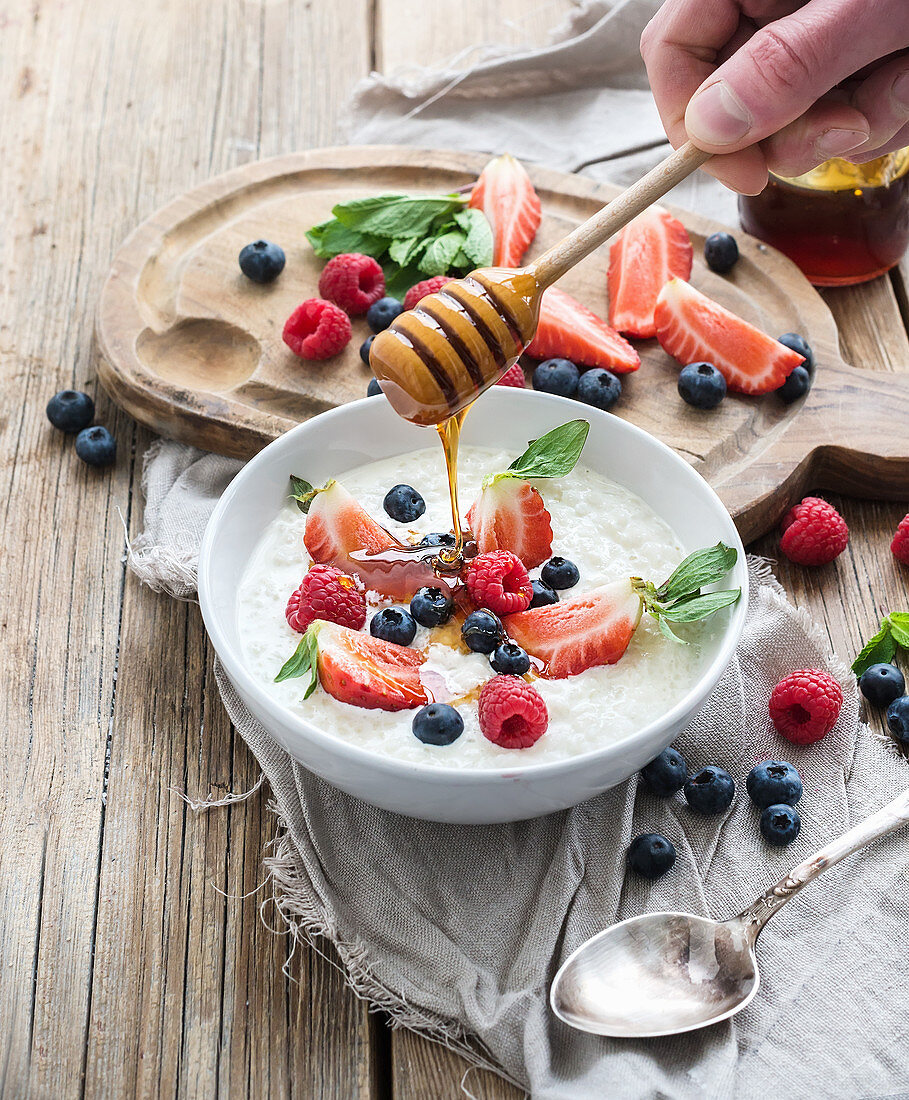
column 134, row 960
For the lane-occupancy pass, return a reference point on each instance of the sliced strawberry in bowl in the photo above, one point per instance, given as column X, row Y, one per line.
column 574, row 635
column 506, row 196
column 647, row 253
column 356, row 668
column 510, row 515
column 693, row 328
column 569, row 330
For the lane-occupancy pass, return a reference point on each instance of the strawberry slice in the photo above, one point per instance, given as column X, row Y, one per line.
column 646, row 254
column 569, row 330
column 694, row 328
column 506, row 196
column 340, row 532
column 510, row 515
column 356, row 668
column 573, row 635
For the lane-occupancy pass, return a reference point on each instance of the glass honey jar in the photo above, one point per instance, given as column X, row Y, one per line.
column 842, row 223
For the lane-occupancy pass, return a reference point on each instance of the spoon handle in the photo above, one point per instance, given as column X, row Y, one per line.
column 886, row 820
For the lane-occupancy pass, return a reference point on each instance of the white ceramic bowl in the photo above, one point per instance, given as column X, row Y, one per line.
column 336, row 441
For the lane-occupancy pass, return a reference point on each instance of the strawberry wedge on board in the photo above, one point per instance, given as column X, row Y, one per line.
column 646, row 254
column 356, row 668
column 694, row 328
column 506, row 196
column 569, row 330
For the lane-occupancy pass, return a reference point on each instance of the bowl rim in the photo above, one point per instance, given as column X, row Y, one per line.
column 247, row 685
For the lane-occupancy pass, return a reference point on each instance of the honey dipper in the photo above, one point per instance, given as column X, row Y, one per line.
column 435, row 360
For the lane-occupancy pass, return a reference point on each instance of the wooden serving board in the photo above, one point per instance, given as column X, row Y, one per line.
column 193, row 349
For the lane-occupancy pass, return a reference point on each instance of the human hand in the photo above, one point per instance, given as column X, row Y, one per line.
column 780, row 84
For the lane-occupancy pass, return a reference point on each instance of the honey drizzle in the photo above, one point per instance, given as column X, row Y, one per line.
column 450, row 434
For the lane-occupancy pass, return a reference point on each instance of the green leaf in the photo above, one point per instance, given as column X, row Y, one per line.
column 302, row 492
column 438, row 257
column 701, row 568
column 395, row 215
column 406, row 249
column 398, row 280
column 693, row 608
column 304, row 661
column 881, row 649
column 554, row 454
column 478, row 247
column 669, row 633
column 331, row 238
column 899, row 627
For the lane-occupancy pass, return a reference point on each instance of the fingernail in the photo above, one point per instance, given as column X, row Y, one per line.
column 835, row 143
column 900, row 90
column 716, row 117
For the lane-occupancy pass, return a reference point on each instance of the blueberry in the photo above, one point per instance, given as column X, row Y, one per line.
column 556, row 376
column 800, row 346
column 96, row 446
column 431, row 606
column 393, row 624
column 666, row 773
column 482, row 631
column 721, row 252
column 380, row 314
column 780, row 824
column 650, row 855
column 364, row 349
column 437, row 724
column 373, row 389
column 701, row 385
column 510, row 660
column 710, row 791
column 600, row 388
column 881, row 684
column 438, row 538
column 70, row 410
column 898, row 720
column 404, row 504
column 542, row 594
column 560, row 573
column 262, row 261
column 796, row 385
column 772, row 783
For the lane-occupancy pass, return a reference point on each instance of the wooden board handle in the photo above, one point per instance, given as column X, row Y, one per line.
column 649, row 189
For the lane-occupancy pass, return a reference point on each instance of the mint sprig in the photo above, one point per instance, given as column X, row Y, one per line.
column 302, row 492
column 554, row 454
column 412, row 237
column 882, row 648
column 680, row 599
column 304, row 661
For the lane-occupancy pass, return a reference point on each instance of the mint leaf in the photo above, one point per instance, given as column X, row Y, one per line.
column 701, row 568
column 331, row 238
column 398, row 280
column 554, row 454
column 478, row 247
column 899, row 627
column 304, row 660
column 302, row 492
column 881, row 649
column 693, row 608
column 395, row 215
column 439, row 256
column 406, row 249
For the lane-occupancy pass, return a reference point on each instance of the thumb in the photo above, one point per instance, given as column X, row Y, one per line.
column 786, row 66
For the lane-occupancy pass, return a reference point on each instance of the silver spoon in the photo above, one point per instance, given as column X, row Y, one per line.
column 662, row 973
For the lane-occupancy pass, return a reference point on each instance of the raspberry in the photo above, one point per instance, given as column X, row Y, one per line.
column 352, row 281
column 420, row 290
column 514, row 376
column 900, row 544
column 805, row 705
column 316, row 329
column 499, row 581
column 512, row 712
column 814, row 533
column 326, row 593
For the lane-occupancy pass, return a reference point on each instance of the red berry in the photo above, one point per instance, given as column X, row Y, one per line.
column 316, row 329
column 814, row 533
column 805, row 705
column 512, row 712
column 420, row 290
column 326, row 593
column 499, row 581
column 352, row 281
column 900, row 544
column 514, row 376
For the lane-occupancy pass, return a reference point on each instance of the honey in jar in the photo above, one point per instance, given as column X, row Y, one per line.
column 841, row 223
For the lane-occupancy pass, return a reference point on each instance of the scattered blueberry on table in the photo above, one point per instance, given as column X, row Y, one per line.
column 373, row 389
column 560, row 573
column 482, row 631
column 262, row 261
column 701, row 385
column 881, row 684
column 96, row 446
column 431, row 606
column 437, row 724
column 364, row 350
column 543, row 594
column 710, row 790
column 796, row 385
column 780, row 824
column 510, row 660
column 558, row 376
column 721, row 252
column 665, row 774
column 404, row 504
column 380, row 314
column 650, row 855
column 800, row 346
column 70, row 411
column 898, row 720
column 600, row 388
column 393, row 624
column 774, row 782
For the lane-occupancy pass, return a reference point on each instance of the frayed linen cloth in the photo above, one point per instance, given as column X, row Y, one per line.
column 456, row 932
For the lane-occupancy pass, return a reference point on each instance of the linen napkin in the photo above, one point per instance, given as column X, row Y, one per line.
column 457, row 931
